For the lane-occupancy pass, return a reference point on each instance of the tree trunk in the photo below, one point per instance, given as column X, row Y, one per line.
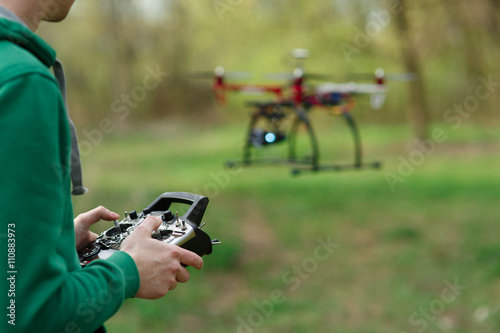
column 417, row 108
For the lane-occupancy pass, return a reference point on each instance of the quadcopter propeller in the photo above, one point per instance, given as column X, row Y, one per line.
column 381, row 76
column 283, row 76
column 298, row 73
column 401, row 77
column 300, row 53
column 201, row 75
column 220, row 72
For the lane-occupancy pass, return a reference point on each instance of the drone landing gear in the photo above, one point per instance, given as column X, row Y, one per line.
column 275, row 123
column 336, row 167
column 267, row 162
column 358, row 153
column 267, row 127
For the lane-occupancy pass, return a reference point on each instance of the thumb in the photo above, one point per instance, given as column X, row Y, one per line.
column 150, row 224
column 95, row 215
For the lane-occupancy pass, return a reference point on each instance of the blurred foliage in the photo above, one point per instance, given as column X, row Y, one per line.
column 108, row 47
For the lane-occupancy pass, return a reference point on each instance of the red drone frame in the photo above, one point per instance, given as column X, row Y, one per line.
column 300, row 100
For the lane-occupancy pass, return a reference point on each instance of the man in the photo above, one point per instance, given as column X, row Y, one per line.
column 42, row 285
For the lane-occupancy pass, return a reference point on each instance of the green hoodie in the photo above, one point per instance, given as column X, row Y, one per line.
column 42, row 287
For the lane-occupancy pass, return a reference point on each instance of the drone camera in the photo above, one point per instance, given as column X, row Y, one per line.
column 259, row 137
column 270, row 137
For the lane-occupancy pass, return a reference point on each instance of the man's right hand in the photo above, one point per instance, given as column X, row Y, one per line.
column 159, row 263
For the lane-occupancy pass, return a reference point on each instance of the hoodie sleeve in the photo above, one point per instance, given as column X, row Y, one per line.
column 51, row 292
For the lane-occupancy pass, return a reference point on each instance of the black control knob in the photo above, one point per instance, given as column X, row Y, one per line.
column 167, row 216
column 133, row 215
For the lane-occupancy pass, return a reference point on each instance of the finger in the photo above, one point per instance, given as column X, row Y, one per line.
column 93, row 236
column 97, row 214
column 183, row 275
column 150, row 224
column 173, row 286
column 105, row 214
column 191, row 259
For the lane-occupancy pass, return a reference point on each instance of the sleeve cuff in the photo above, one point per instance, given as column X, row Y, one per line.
column 127, row 266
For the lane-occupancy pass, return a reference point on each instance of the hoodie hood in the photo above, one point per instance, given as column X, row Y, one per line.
column 14, row 31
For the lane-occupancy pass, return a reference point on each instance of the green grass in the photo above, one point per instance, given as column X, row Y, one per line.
column 396, row 249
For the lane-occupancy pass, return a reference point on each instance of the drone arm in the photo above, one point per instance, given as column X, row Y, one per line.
column 219, row 92
column 219, row 88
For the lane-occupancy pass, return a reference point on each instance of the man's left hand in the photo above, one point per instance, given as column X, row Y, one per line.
column 83, row 236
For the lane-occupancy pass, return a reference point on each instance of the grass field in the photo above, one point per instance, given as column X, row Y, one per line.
column 324, row 252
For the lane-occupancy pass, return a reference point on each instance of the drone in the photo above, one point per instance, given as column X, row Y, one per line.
column 281, row 119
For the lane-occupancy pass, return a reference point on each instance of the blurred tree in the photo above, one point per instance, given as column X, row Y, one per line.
column 417, row 106
column 118, row 22
column 107, row 46
column 479, row 26
column 473, row 21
